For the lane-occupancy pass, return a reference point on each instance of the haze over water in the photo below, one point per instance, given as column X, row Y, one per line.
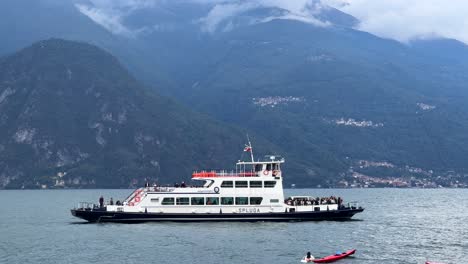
column 398, row 226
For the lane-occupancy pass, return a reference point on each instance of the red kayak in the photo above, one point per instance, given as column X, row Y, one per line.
column 430, row 262
column 335, row 257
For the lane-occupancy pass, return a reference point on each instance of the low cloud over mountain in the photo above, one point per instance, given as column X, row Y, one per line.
column 112, row 14
column 405, row 20
column 327, row 95
column 402, row 20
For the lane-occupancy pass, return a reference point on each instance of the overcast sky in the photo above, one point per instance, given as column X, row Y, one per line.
column 402, row 20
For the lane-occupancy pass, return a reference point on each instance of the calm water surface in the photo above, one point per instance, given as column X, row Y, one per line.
column 398, row 226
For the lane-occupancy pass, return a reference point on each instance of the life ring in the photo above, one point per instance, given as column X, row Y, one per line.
column 275, row 172
column 265, row 172
column 216, row 189
column 137, row 199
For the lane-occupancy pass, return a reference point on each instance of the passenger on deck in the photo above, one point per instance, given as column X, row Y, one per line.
column 111, row 202
column 183, row 185
column 176, row 185
column 101, row 201
column 118, row 202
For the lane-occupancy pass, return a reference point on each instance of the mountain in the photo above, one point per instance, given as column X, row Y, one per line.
column 44, row 19
column 327, row 96
column 331, row 96
column 335, row 101
column 72, row 115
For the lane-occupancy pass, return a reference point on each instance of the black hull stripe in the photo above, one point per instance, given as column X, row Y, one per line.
column 103, row 216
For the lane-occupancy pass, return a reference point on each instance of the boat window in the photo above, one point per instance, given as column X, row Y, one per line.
column 227, row 200
column 198, row 200
column 183, row 201
column 227, row 184
column 168, row 201
column 256, row 184
column 256, row 200
column 275, row 166
column 212, row 200
column 270, row 184
column 274, row 200
column 242, row 200
column 208, row 183
column 268, row 168
column 155, row 200
column 241, row 184
column 258, row 167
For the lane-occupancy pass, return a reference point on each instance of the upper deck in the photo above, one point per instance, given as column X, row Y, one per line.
column 268, row 168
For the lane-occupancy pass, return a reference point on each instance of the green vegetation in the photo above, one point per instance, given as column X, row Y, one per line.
column 71, row 108
column 323, row 97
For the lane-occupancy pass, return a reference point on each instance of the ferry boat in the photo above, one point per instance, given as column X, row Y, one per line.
column 252, row 192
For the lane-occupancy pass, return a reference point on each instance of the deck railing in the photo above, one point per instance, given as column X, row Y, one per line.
column 223, row 173
column 353, row 205
column 86, row 205
column 160, row 189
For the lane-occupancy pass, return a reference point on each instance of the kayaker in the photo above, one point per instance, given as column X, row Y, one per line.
column 309, row 257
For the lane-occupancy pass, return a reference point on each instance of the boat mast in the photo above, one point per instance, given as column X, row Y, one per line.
column 250, row 148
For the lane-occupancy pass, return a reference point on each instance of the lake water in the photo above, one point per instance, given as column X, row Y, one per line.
column 398, row 226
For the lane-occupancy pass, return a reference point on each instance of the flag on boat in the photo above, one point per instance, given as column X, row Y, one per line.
column 248, row 148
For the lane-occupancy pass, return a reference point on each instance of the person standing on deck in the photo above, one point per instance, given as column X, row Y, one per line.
column 101, row 201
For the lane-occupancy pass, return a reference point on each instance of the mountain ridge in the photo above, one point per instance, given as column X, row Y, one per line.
column 329, row 97
column 72, row 116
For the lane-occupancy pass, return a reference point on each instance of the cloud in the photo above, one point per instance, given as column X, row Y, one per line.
column 112, row 21
column 221, row 12
column 402, row 20
column 406, row 20
column 111, row 14
column 300, row 10
column 305, row 19
column 123, row 4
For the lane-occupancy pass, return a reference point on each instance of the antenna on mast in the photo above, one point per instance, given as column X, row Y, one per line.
column 249, row 148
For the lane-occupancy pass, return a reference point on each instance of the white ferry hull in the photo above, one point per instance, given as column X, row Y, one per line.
column 130, row 217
